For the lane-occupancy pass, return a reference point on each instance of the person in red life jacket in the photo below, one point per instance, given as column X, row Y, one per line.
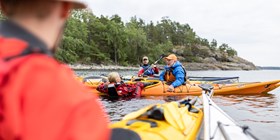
column 117, row 88
column 39, row 97
column 146, row 69
column 174, row 73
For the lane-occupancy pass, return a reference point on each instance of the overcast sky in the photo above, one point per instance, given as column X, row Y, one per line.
column 251, row 27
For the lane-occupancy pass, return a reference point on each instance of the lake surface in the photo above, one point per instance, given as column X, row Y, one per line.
column 260, row 112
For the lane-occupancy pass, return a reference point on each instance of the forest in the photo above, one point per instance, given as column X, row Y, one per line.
column 106, row 40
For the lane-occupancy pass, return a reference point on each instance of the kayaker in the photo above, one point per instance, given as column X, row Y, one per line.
column 147, row 69
column 116, row 87
column 39, row 97
column 174, row 73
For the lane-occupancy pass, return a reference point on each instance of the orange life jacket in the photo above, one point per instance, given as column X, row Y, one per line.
column 169, row 77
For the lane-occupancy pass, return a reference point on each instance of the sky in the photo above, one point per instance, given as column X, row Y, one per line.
column 251, row 27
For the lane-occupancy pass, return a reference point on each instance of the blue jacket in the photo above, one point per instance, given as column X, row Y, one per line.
column 149, row 71
column 178, row 72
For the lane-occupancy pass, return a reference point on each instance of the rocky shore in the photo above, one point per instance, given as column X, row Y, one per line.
column 220, row 66
column 188, row 66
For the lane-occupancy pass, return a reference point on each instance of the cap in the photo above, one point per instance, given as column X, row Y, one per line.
column 78, row 4
column 171, row 57
column 145, row 57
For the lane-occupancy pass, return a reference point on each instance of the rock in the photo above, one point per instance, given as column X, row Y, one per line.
column 209, row 60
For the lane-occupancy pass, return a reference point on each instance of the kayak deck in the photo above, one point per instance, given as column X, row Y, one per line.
column 159, row 89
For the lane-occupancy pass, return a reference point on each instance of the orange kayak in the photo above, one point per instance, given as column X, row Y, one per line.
column 157, row 88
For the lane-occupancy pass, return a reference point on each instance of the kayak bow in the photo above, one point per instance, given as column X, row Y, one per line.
column 217, row 124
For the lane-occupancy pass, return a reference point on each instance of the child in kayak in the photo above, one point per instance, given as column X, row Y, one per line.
column 117, row 88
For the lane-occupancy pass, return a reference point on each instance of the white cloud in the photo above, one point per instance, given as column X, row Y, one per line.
column 251, row 27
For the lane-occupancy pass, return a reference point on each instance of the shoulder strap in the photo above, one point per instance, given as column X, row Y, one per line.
column 112, row 91
column 186, row 76
column 27, row 51
column 9, row 63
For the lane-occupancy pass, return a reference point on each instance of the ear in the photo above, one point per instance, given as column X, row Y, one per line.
column 3, row 8
column 66, row 9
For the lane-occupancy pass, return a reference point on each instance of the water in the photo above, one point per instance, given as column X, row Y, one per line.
column 260, row 112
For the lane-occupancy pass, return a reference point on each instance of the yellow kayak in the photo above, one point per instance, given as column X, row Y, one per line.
column 169, row 121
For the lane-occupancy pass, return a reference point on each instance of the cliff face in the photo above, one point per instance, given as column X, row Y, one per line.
column 210, row 63
column 219, row 66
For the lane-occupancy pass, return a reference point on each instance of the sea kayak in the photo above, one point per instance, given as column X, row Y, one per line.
column 157, row 88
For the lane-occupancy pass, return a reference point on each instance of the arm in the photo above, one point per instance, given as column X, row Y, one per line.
column 156, row 70
column 161, row 76
column 140, row 72
column 102, row 88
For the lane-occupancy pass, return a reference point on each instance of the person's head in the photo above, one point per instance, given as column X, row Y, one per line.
column 43, row 18
column 145, row 60
column 114, row 77
column 170, row 59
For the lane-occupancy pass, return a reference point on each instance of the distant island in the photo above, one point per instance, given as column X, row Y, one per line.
column 269, row 68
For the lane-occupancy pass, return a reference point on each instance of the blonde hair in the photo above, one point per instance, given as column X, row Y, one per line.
column 112, row 77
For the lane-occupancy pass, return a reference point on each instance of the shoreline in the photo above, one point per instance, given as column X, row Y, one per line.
column 101, row 67
column 188, row 66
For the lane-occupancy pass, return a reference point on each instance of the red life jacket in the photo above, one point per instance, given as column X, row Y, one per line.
column 40, row 99
column 123, row 89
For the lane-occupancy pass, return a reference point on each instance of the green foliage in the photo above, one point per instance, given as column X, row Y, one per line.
column 213, row 45
column 224, row 48
column 2, row 17
column 89, row 39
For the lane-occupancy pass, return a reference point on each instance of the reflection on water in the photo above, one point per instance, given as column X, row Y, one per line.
column 258, row 108
column 260, row 112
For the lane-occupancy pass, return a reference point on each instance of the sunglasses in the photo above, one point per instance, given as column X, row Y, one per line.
column 145, row 59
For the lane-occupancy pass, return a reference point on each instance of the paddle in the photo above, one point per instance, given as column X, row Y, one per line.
column 197, row 78
column 161, row 56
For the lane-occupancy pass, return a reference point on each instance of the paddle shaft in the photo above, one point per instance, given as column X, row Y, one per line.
column 154, row 63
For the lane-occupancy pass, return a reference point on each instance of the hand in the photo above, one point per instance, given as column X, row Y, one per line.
column 119, row 93
column 170, row 88
column 153, row 65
